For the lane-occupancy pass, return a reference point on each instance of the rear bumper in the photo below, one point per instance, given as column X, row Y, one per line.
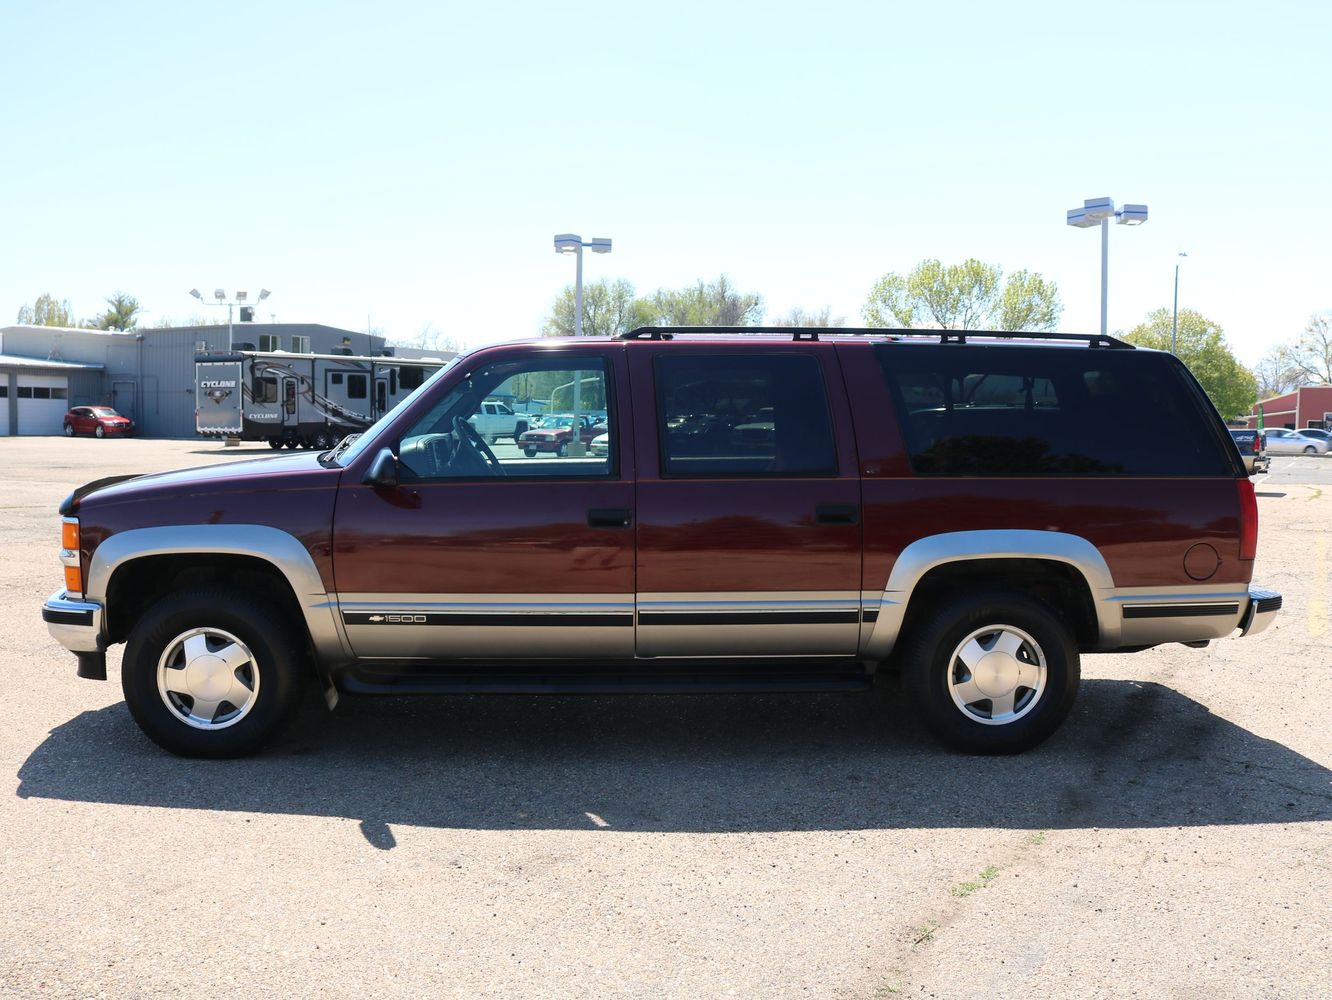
column 1152, row 616
column 1263, row 607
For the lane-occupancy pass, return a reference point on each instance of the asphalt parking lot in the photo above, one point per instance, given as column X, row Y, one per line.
column 1173, row 839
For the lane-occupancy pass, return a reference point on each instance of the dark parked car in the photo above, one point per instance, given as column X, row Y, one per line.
column 99, row 421
column 976, row 509
column 1252, row 445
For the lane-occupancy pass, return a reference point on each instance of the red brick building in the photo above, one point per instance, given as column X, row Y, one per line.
column 1308, row 406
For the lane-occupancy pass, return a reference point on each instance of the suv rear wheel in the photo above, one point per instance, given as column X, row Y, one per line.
column 211, row 673
column 992, row 673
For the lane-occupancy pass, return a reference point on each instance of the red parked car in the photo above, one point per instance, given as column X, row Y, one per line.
column 776, row 510
column 555, row 434
column 99, row 421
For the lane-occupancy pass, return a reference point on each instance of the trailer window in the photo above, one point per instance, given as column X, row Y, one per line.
column 264, row 390
column 356, row 386
column 411, row 378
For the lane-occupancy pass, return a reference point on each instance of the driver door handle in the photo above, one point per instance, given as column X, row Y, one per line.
column 609, row 517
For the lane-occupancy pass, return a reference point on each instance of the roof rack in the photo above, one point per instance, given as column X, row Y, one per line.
column 811, row 333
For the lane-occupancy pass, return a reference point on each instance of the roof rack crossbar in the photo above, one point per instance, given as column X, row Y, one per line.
column 814, row 333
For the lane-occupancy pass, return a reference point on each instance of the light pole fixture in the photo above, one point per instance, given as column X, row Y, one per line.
column 571, row 243
column 566, row 243
column 221, row 296
column 1174, row 317
column 1099, row 212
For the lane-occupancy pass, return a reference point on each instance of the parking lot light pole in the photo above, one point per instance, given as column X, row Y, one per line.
column 566, row 243
column 1174, row 317
column 221, row 296
column 1099, row 212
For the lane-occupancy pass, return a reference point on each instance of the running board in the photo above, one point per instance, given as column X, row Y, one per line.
column 636, row 677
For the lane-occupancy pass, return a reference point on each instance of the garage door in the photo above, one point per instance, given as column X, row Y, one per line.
column 42, row 403
column 4, row 405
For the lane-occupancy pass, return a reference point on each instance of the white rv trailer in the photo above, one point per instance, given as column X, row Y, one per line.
column 299, row 400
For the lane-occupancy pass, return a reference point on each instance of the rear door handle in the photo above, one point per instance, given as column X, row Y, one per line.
column 836, row 513
column 609, row 517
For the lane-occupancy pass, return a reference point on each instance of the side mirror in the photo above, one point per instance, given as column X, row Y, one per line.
column 383, row 472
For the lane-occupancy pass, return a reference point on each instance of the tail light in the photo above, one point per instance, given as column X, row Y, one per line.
column 69, row 556
column 1257, row 440
column 1248, row 520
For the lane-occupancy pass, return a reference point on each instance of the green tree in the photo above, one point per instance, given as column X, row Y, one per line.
column 968, row 296
column 609, row 309
column 1201, row 345
column 799, row 317
column 122, row 313
column 707, row 303
column 1029, row 302
column 46, row 311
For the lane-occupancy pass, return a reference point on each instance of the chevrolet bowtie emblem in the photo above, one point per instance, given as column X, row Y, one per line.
column 376, row 618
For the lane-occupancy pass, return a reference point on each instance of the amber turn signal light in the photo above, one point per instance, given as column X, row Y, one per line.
column 69, row 535
column 73, row 580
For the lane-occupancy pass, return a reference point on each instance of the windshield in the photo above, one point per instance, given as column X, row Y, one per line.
column 355, row 444
column 104, row 411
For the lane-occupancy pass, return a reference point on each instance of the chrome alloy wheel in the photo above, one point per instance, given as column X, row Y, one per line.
column 996, row 675
column 208, row 678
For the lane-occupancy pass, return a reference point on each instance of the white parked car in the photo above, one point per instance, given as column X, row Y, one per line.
column 1284, row 442
column 600, row 447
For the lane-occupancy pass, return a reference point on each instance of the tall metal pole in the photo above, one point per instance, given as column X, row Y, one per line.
column 229, row 334
column 1105, row 273
column 576, row 441
column 1174, row 317
column 578, row 295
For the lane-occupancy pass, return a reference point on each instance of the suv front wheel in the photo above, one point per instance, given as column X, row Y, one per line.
column 211, row 673
column 992, row 673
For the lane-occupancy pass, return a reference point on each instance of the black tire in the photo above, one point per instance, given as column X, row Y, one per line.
column 276, row 659
column 100, row 431
column 69, row 430
column 562, row 449
column 1311, row 450
column 275, row 443
column 927, row 666
column 292, row 444
column 530, row 452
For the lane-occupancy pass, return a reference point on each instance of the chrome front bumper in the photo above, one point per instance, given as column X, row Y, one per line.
column 77, row 625
column 1263, row 607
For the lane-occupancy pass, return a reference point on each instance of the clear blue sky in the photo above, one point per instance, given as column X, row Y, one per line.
column 411, row 161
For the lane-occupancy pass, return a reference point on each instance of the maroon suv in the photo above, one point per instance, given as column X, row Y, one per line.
column 775, row 511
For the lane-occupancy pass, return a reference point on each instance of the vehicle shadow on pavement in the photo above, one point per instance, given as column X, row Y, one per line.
column 1131, row 755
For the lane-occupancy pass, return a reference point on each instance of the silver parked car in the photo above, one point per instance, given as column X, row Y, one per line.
column 1284, row 442
column 1318, row 435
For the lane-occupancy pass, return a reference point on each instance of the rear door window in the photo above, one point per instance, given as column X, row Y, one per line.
column 1018, row 411
column 743, row 415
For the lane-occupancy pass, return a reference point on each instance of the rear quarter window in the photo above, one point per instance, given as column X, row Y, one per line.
column 970, row 410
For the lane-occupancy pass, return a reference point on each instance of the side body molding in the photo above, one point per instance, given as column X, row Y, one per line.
column 923, row 555
column 257, row 541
